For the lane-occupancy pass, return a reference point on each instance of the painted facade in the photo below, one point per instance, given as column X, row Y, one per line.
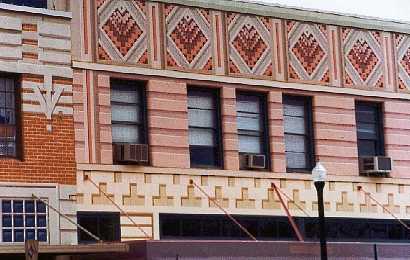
column 35, row 50
column 170, row 46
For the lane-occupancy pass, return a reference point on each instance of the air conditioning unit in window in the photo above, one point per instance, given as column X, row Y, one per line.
column 256, row 161
column 130, row 153
column 377, row 166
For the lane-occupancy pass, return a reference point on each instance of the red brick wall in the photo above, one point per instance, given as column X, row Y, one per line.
column 48, row 157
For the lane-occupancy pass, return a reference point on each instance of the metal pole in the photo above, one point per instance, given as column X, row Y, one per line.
column 322, row 228
column 290, row 218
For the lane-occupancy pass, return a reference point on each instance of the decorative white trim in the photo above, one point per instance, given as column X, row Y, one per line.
column 41, row 11
column 243, row 81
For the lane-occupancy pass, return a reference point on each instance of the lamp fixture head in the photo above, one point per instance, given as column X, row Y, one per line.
column 319, row 173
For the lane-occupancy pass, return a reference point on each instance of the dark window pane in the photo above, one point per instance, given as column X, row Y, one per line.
column 42, row 235
column 102, row 224
column 30, row 234
column 7, row 235
column 41, row 221
column 31, row 3
column 203, row 156
column 6, row 221
column 30, row 221
column 18, row 220
column 29, row 206
column 18, row 206
column 41, row 207
column 6, row 206
column 18, row 235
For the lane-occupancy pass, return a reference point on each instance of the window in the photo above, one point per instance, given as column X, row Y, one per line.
column 219, row 227
column 105, row 225
column 31, row 3
column 204, row 134
column 23, row 220
column 369, row 129
column 128, row 112
column 298, row 133
column 8, row 117
column 251, row 121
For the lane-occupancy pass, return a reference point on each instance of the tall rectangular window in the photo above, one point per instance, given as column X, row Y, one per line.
column 204, row 128
column 8, row 117
column 369, row 125
column 127, row 112
column 298, row 133
column 251, row 123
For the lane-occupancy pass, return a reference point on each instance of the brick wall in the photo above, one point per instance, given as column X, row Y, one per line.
column 335, row 133
column 48, row 157
column 168, row 123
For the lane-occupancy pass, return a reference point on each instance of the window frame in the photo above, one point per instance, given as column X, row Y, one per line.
column 140, row 87
column 263, row 106
column 98, row 215
column 309, row 135
column 380, row 146
column 18, row 117
column 24, row 213
column 218, row 128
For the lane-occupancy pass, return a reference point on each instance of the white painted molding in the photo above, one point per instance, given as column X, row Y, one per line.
column 242, row 81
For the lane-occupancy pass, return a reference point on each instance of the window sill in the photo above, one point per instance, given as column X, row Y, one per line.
column 33, row 10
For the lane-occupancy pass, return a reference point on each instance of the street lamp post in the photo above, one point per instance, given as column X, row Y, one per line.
column 319, row 176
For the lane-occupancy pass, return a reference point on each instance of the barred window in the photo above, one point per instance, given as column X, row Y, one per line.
column 8, row 117
column 23, row 219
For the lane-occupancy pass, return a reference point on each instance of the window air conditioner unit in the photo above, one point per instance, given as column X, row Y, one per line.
column 256, row 161
column 130, row 153
column 375, row 165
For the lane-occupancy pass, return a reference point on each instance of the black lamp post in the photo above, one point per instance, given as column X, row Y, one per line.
column 319, row 175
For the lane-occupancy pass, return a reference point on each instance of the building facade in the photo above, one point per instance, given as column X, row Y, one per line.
column 36, row 123
column 220, row 99
column 206, row 83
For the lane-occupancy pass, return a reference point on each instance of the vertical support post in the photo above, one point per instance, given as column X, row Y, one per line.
column 31, row 249
column 322, row 228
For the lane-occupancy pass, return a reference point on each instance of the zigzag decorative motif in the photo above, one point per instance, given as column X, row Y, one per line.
column 403, row 60
column 188, row 38
column 122, row 31
column 249, row 44
column 308, row 51
column 363, row 58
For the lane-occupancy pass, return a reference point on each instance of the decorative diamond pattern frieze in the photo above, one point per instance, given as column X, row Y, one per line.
column 122, row 31
column 403, row 60
column 363, row 58
column 188, row 38
column 250, row 45
column 308, row 51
